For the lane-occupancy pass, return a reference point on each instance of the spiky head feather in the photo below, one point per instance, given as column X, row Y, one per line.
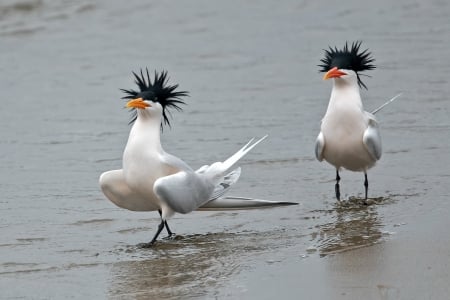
column 157, row 91
column 349, row 58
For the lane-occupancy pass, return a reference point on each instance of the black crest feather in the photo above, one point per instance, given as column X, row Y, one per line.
column 157, row 90
column 350, row 58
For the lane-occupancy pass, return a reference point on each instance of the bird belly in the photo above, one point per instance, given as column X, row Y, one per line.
column 344, row 146
column 353, row 158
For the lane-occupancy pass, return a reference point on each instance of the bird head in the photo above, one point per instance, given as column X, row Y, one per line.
column 154, row 95
column 346, row 63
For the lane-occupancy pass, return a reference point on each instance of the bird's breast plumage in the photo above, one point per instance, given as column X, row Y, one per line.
column 343, row 129
column 142, row 165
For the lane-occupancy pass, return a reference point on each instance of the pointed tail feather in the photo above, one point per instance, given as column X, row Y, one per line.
column 238, row 203
column 241, row 153
column 385, row 104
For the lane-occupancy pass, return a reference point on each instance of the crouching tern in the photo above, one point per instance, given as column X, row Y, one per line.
column 349, row 136
column 154, row 180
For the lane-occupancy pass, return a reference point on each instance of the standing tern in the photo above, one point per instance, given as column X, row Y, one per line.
column 154, row 180
column 349, row 136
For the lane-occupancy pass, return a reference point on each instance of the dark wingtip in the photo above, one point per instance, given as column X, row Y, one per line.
column 286, row 203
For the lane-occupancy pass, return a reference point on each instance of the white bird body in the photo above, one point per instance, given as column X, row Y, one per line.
column 349, row 136
column 144, row 159
column 143, row 163
column 152, row 179
column 344, row 126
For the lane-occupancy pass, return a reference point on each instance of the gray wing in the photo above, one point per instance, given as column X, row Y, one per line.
column 187, row 190
column 184, row 191
column 235, row 203
column 115, row 188
column 320, row 144
column 228, row 180
column 372, row 137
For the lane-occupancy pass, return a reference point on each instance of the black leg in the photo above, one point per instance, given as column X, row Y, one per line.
column 169, row 232
column 152, row 242
column 336, row 187
column 366, row 184
column 160, row 228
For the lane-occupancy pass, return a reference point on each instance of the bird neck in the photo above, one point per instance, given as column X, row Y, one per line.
column 147, row 130
column 344, row 95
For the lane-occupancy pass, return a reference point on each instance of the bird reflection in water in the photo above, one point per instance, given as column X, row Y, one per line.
column 189, row 266
column 353, row 226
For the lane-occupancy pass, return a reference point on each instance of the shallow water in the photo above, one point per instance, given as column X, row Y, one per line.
column 251, row 70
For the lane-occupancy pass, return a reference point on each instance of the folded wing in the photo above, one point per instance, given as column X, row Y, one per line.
column 372, row 137
column 320, row 145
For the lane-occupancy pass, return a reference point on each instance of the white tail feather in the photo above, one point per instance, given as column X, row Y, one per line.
column 242, row 152
column 385, row 104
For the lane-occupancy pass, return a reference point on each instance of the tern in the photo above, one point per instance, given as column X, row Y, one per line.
column 349, row 136
column 152, row 179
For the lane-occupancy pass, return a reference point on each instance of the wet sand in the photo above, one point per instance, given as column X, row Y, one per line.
column 251, row 69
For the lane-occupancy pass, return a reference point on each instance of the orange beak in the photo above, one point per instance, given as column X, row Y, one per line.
column 137, row 103
column 333, row 73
